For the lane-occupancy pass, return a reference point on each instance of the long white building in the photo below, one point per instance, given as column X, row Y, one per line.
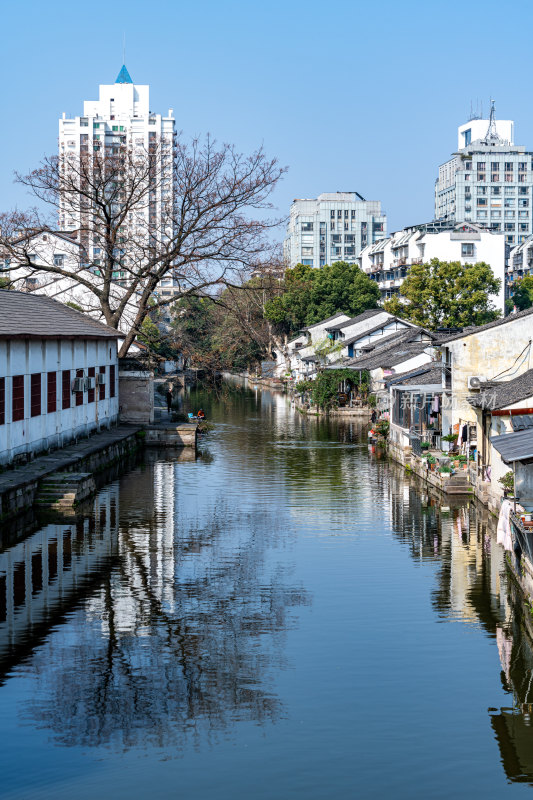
column 58, row 374
column 333, row 227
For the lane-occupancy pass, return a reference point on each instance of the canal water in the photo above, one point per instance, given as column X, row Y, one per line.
column 286, row 616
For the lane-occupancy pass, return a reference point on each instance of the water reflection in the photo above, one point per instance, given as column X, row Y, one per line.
column 160, row 618
column 181, row 630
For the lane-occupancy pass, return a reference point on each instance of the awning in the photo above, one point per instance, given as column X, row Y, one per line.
column 514, row 446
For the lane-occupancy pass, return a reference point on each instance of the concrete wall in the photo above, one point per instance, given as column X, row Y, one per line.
column 136, row 391
column 46, row 430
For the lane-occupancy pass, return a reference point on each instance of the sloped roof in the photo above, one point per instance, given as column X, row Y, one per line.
column 480, row 328
column 370, row 312
column 429, row 374
column 31, row 316
column 395, row 351
column 514, row 446
column 495, row 395
column 322, row 321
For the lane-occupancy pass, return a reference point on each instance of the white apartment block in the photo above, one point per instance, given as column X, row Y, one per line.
column 121, row 117
column 388, row 261
column 488, row 181
column 334, row 227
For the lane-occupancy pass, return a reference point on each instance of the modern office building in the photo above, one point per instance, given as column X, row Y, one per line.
column 488, row 180
column 334, row 227
column 121, row 120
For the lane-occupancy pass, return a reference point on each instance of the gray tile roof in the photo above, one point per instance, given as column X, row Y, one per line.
column 429, row 374
column 322, row 321
column 30, row 316
column 370, row 312
column 494, row 395
column 494, row 324
column 391, row 353
column 514, row 446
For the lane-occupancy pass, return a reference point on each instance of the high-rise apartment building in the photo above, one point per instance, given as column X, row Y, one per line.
column 121, row 118
column 488, row 180
column 334, row 227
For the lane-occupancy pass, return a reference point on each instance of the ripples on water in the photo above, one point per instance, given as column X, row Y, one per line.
column 263, row 621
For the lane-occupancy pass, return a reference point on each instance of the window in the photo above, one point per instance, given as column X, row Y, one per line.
column 332, row 214
column 481, row 166
column 523, row 227
column 346, row 214
column 509, row 226
column 508, row 166
column 509, row 190
column 35, row 394
column 65, row 388
column 509, row 214
column 96, row 124
column 482, row 201
column 346, row 226
column 523, row 203
column 115, row 127
column 2, row 401
column 339, row 214
column 353, row 214
column 51, row 392
column 18, row 397
column 307, row 226
column 91, row 373
column 59, row 260
column 467, row 249
column 84, row 122
column 307, row 262
column 307, row 251
column 522, row 166
column 494, row 166
column 332, row 226
column 482, row 215
column 79, row 395
column 495, row 214
column 112, row 380
column 101, row 386
column 523, row 190
column 496, row 190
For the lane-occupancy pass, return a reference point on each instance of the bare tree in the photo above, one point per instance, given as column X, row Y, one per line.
column 197, row 213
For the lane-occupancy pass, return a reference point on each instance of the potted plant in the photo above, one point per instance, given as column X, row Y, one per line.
column 424, row 445
column 508, row 483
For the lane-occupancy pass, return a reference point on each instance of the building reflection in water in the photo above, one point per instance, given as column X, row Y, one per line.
column 474, row 587
column 166, row 629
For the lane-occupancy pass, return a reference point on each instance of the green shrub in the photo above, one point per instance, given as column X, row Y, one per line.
column 445, row 469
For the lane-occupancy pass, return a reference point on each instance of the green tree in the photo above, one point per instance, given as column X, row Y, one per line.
column 523, row 295
column 309, row 295
column 447, row 294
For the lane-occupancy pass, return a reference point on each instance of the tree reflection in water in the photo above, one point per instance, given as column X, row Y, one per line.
column 185, row 633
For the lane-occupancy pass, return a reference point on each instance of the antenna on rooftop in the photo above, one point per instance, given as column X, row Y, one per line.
column 123, row 48
column 492, row 136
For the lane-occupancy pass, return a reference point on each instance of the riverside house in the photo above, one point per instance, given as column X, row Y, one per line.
column 58, row 375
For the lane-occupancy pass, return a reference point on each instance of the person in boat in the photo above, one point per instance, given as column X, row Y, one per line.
column 200, row 415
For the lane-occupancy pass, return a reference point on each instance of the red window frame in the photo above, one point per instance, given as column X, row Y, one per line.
column 65, row 388
column 36, row 387
column 17, row 395
column 91, row 373
column 79, row 395
column 112, row 380
column 2, row 401
column 51, row 392
column 101, row 386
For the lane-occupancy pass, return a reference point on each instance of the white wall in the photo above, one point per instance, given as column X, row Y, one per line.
column 54, row 429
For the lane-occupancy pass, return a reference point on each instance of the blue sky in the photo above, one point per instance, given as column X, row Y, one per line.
column 349, row 95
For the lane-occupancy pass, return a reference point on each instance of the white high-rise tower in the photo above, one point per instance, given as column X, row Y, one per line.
column 121, row 117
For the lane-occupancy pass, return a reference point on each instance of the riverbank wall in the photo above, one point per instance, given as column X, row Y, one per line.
column 359, row 412
column 19, row 487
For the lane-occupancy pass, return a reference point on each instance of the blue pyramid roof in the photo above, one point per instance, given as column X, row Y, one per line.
column 123, row 76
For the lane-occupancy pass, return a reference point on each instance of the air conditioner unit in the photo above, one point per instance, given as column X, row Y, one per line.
column 475, row 381
column 100, row 379
column 90, row 383
column 78, row 385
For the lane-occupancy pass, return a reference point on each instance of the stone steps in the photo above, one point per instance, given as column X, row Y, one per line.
column 63, row 490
